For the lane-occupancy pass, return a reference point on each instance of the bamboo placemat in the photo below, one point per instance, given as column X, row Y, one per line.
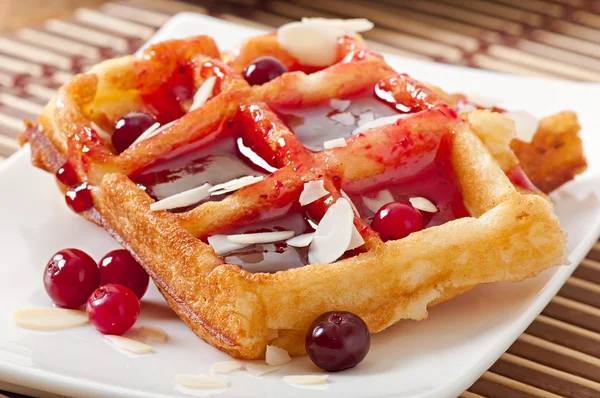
column 559, row 354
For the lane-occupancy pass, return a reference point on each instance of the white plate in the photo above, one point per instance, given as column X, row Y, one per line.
column 439, row 357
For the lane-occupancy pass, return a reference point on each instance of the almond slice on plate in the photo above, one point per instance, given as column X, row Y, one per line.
column 526, row 124
column 333, row 233
column 382, row 121
column 234, row 185
column 345, row 118
column 382, row 198
column 365, row 118
column 204, row 93
column 182, row 199
column 356, row 239
column 312, row 191
column 260, row 237
column 225, row 367
column 310, row 45
column 147, row 133
column 128, row 344
column 49, row 319
column 301, row 240
column 276, row 356
column 259, row 369
column 152, row 334
column 349, row 26
column 339, row 105
column 423, row 204
column 222, row 245
column 202, row 381
column 335, row 143
column 345, row 196
column 306, row 380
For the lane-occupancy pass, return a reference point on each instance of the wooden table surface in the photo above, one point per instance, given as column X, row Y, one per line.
column 559, row 354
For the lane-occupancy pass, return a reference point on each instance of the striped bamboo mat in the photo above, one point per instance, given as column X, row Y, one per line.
column 559, row 354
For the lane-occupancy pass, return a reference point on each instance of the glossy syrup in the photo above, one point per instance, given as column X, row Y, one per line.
column 165, row 102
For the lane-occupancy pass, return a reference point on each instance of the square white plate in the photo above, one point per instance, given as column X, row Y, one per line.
column 436, row 358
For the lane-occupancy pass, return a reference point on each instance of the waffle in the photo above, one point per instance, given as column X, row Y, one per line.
column 489, row 230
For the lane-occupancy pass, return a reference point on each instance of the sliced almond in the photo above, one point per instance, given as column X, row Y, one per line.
column 128, row 344
column 259, row 369
column 147, row 134
column 339, row 105
column 356, row 239
column 202, row 381
column 182, row 199
column 204, row 93
column 423, row 204
column 382, row 121
column 301, row 240
column 345, row 118
column 335, row 143
column 260, row 237
column 222, row 245
column 349, row 26
column 225, row 367
column 382, row 198
column 465, row 107
column 312, row 191
column 101, row 133
column 345, row 196
column 276, row 356
column 365, row 118
column 234, row 185
column 333, row 234
column 306, row 380
column 526, row 124
column 48, row 319
column 310, row 45
column 152, row 334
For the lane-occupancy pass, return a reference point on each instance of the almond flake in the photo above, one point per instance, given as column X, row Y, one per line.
column 306, row 380
column 147, row 134
column 204, row 93
column 333, row 233
column 101, row 133
column 312, row 191
column 222, row 245
column 382, row 198
column 259, row 369
column 526, row 124
column 202, row 381
column 276, row 356
column 182, row 199
column 335, row 143
column 423, row 204
column 365, row 118
column 339, row 105
column 225, row 367
column 345, row 196
column 465, row 107
column 48, row 319
column 234, row 185
column 152, row 334
column 382, row 121
column 349, row 26
column 356, row 239
column 349, row 57
column 260, row 237
column 301, row 240
column 345, row 118
column 130, row 345
column 310, row 45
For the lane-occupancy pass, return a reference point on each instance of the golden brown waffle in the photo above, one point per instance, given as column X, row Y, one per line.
column 510, row 234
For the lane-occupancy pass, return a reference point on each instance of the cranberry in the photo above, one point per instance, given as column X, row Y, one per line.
column 337, row 340
column 80, row 198
column 129, row 128
column 70, row 277
column 67, row 175
column 262, row 70
column 397, row 220
column 120, row 267
column 113, row 309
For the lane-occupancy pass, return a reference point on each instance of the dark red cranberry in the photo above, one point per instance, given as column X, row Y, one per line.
column 120, row 267
column 70, row 277
column 262, row 70
column 397, row 220
column 67, row 175
column 79, row 198
column 337, row 340
column 129, row 128
column 113, row 309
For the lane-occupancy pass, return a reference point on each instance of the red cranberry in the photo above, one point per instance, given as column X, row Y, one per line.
column 397, row 220
column 67, row 175
column 262, row 70
column 120, row 267
column 337, row 340
column 70, row 277
column 129, row 128
column 113, row 309
column 80, row 198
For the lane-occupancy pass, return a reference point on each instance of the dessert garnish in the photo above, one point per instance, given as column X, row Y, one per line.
column 128, row 344
column 49, row 319
column 152, row 334
column 113, row 309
